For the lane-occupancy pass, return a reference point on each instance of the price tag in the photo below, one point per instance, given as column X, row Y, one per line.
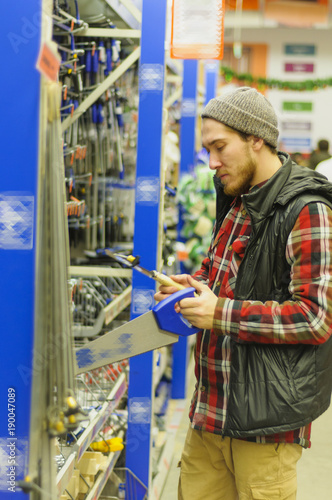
column 48, row 62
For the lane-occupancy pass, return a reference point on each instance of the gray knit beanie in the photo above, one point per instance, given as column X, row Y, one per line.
column 245, row 110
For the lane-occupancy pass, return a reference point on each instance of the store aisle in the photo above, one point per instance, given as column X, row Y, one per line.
column 314, row 468
column 171, row 486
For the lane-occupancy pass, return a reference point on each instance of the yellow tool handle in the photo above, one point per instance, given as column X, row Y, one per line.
column 166, row 280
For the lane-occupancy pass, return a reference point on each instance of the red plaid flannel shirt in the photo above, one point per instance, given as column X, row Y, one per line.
column 306, row 318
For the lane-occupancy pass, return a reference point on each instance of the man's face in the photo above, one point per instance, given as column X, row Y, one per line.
column 230, row 156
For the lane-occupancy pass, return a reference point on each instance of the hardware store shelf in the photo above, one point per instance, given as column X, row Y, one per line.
column 117, row 305
column 78, row 449
column 111, row 33
column 90, row 271
column 102, row 478
column 113, row 308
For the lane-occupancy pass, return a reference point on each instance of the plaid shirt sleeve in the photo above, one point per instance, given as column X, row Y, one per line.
column 305, row 318
column 203, row 273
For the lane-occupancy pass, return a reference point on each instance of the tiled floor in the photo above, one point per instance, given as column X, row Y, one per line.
column 314, row 468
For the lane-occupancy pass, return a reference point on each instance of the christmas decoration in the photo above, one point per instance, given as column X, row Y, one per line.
column 261, row 83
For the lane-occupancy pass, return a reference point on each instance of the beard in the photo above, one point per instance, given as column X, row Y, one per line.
column 243, row 181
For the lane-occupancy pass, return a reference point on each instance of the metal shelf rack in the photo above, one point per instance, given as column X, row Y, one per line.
column 19, row 259
column 76, row 451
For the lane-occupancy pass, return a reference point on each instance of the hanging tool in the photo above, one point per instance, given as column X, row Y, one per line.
column 133, row 262
column 61, row 407
column 95, row 68
column 88, row 64
column 93, row 141
column 109, row 62
column 117, row 133
column 102, row 178
column 157, row 328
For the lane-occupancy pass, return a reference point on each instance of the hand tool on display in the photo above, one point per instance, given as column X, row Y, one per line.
column 89, row 132
column 133, row 262
column 94, row 67
column 99, row 120
column 117, row 134
column 107, row 140
column 61, row 408
column 111, row 125
column 88, row 59
column 93, row 143
column 101, row 60
column 108, row 64
column 157, row 328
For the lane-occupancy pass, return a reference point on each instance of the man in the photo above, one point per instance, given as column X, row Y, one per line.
column 263, row 357
column 320, row 154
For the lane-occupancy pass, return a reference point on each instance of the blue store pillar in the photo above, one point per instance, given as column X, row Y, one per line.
column 187, row 151
column 19, row 124
column 146, row 236
column 211, row 70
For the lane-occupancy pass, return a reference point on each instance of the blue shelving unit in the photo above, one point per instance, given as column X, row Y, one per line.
column 146, row 236
column 187, row 151
column 211, row 71
column 188, row 115
column 20, row 110
column 19, row 125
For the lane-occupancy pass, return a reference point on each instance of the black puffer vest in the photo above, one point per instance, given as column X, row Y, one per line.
column 275, row 388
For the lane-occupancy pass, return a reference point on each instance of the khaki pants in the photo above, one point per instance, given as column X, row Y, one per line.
column 216, row 468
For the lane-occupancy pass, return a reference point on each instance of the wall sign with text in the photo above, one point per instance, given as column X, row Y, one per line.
column 297, row 106
column 299, row 49
column 299, row 67
column 296, row 144
column 296, row 126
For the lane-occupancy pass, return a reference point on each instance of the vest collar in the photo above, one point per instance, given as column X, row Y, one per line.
column 259, row 202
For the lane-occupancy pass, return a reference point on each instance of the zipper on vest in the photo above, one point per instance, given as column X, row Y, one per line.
column 251, row 259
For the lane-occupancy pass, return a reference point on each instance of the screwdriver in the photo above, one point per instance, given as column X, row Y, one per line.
column 133, row 262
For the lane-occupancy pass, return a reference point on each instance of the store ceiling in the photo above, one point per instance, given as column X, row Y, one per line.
column 256, row 14
column 282, row 13
column 113, row 10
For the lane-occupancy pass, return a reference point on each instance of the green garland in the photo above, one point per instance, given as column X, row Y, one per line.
column 272, row 83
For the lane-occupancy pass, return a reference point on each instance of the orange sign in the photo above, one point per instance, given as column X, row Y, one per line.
column 48, row 63
column 246, row 5
column 297, row 13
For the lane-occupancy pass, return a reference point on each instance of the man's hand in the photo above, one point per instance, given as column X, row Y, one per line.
column 166, row 291
column 199, row 311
